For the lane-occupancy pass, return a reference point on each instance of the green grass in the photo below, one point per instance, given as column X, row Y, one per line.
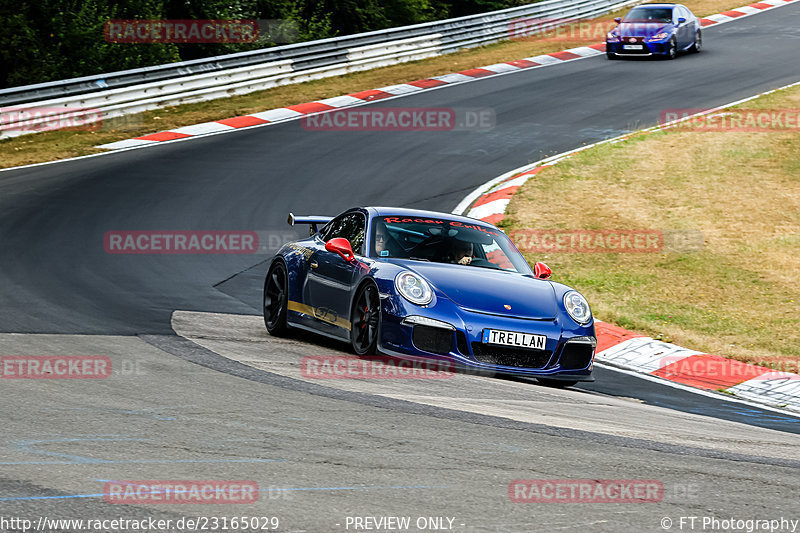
column 736, row 294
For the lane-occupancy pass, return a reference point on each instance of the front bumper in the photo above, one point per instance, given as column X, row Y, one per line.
column 648, row 49
column 568, row 353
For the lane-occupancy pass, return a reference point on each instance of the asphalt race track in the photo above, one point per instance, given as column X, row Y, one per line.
column 225, row 401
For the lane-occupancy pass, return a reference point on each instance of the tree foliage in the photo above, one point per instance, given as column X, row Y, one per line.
column 58, row 39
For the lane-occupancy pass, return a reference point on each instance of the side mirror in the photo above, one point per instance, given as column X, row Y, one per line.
column 681, row 20
column 541, row 271
column 341, row 246
column 617, row 19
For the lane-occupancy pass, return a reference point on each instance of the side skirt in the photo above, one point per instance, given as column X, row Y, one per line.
column 306, row 327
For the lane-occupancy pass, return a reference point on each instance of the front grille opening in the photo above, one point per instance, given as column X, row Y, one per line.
column 639, row 40
column 576, row 356
column 461, row 341
column 508, row 356
column 433, row 340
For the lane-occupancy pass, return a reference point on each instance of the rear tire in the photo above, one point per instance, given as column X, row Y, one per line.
column 611, row 56
column 698, row 42
column 276, row 299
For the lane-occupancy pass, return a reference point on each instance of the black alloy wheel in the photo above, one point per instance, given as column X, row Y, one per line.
column 366, row 320
column 276, row 299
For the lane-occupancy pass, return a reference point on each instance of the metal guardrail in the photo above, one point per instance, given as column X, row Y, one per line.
column 134, row 91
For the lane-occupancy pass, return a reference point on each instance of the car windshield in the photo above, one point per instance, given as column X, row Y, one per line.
column 649, row 14
column 444, row 241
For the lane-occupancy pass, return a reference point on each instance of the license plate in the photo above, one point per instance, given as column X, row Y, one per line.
column 514, row 338
column 632, row 46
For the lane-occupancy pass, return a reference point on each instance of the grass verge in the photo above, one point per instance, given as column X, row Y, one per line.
column 50, row 146
column 738, row 295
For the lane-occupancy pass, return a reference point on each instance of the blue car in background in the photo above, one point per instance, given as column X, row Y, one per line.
column 421, row 284
column 655, row 30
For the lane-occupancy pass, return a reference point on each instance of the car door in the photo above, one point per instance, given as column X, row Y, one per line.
column 330, row 279
column 684, row 32
column 692, row 25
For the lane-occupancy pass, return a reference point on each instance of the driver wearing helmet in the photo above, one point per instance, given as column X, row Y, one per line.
column 461, row 252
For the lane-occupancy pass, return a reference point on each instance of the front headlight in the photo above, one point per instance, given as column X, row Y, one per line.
column 658, row 36
column 413, row 288
column 611, row 37
column 577, row 307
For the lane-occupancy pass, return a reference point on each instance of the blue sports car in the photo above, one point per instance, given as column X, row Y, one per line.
column 421, row 284
column 655, row 30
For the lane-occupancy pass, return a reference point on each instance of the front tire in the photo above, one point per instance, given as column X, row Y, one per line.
column 366, row 320
column 672, row 52
column 276, row 299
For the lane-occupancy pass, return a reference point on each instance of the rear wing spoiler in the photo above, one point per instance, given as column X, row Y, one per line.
column 313, row 220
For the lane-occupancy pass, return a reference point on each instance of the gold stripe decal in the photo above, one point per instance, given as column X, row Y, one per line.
column 320, row 313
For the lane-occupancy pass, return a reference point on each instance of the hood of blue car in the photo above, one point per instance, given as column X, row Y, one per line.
column 489, row 291
column 642, row 29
